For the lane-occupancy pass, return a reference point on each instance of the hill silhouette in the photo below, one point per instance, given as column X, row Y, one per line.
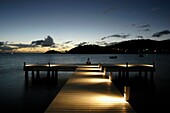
column 52, row 52
column 130, row 47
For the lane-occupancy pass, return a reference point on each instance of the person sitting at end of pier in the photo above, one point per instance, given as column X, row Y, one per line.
column 88, row 61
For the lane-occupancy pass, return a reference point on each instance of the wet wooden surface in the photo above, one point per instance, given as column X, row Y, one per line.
column 89, row 91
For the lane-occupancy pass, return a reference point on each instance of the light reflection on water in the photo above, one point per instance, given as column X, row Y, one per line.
column 14, row 96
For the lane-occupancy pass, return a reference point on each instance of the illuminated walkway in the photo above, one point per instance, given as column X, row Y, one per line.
column 88, row 91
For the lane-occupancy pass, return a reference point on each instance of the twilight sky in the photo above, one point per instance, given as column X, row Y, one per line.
column 26, row 24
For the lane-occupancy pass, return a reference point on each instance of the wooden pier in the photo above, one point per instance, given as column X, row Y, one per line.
column 89, row 91
column 122, row 69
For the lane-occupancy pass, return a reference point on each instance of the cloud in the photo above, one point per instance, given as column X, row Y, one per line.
column 145, row 29
column 81, row 44
column 120, row 36
column 1, row 43
column 116, row 36
column 47, row 42
column 10, row 47
column 144, row 26
column 139, row 36
column 161, row 33
column 37, row 42
column 133, row 25
column 68, row 42
column 104, row 38
column 101, row 43
column 7, row 47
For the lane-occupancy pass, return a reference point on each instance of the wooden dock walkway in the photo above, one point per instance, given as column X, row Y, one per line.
column 122, row 69
column 89, row 91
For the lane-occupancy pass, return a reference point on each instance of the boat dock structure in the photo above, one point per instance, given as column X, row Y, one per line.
column 89, row 89
column 122, row 69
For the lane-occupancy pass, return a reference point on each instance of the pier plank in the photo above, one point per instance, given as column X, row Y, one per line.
column 87, row 91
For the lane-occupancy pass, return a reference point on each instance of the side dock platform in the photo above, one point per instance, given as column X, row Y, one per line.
column 122, row 69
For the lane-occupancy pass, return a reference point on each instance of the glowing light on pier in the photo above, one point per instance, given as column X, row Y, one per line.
column 89, row 69
column 90, row 73
column 111, row 99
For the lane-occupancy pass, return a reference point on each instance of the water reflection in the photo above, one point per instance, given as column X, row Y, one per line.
column 141, row 90
column 39, row 92
column 41, row 80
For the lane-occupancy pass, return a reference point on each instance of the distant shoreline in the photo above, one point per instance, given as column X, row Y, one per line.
column 76, row 53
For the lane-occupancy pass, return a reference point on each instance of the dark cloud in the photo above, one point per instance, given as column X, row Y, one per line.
column 161, row 33
column 10, row 47
column 81, row 44
column 116, row 35
column 47, row 42
column 37, row 42
column 145, row 29
column 139, row 36
column 101, row 43
column 68, row 42
column 104, row 38
column 144, row 26
column 112, row 43
column 120, row 36
column 7, row 48
column 133, row 25
column 21, row 45
column 1, row 43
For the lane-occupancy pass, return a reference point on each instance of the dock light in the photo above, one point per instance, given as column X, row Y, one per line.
column 126, row 93
column 125, row 65
column 88, row 69
column 90, row 73
column 111, row 99
column 89, row 66
column 148, row 65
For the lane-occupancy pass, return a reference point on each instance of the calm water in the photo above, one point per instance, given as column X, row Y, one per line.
column 15, row 96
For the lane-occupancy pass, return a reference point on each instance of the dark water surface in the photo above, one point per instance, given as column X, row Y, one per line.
column 146, row 95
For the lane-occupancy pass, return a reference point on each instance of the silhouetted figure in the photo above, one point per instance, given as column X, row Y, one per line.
column 88, row 61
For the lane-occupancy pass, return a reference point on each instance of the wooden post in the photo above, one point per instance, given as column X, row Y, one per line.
column 126, row 64
column 100, row 66
column 26, row 72
column 32, row 74
column 127, row 71
column 38, row 74
column 154, row 65
column 56, row 74
column 119, row 75
column 24, row 65
column 111, row 76
column 126, row 93
column 48, row 70
column 53, row 73
column 104, row 73
column 26, row 75
column 151, row 76
column 123, row 74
